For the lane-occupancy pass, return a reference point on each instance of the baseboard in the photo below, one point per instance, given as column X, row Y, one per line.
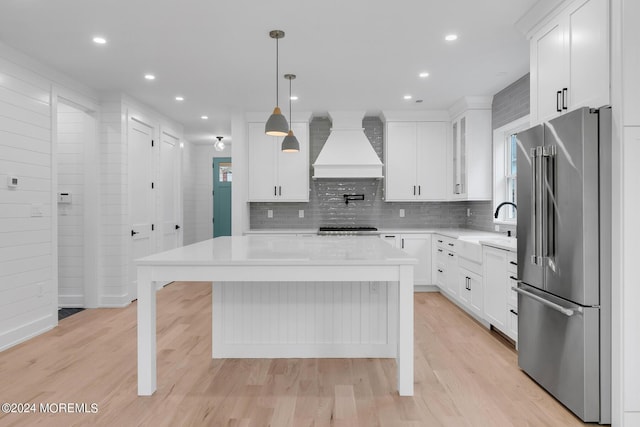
column 316, row 350
column 114, row 301
column 71, row 301
column 426, row 288
column 25, row 332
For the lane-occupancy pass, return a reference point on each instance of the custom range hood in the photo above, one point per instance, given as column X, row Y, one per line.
column 347, row 152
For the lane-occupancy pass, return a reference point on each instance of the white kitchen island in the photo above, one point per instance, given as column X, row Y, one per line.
column 295, row 296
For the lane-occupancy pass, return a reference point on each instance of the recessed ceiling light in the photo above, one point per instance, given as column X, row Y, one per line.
column 99, row 40
column 204, row 117
column 451, row 37
column 149, row 77
column 408, row 97
column 179, row 98
column 424, row 74
column 294, row 98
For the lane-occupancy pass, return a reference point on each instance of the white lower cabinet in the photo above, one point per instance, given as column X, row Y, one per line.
column 417, row 245
column 470, row 286
column 500, row 301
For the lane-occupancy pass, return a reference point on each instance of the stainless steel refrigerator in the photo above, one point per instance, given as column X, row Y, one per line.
column 564, row 268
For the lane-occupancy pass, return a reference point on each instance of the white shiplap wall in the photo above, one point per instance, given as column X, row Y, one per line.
column 27, row 304
column 74, row 130
column 113, row 208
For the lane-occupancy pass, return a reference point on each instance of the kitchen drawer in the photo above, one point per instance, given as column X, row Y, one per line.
column 512, row 323
column 512, row 298
column 512, row 263
column 445, row 242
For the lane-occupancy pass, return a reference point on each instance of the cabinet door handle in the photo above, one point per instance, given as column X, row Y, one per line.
column 513, row 263
column 414, row 190
column 133, row 233
column 402, row 243
column 558, row 107
column 418, row 190
column 513, row 278
column 457, row 189
column 390, row 236
column 565, row 95
column 280, row 190
column 275, row 190
column 513, row 312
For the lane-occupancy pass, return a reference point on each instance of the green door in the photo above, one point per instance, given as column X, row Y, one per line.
column 221, row 196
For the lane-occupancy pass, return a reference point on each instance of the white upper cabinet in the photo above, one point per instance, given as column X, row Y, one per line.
column 415, row 161
column 275, row 176
column 470, row 156
column 570, row 60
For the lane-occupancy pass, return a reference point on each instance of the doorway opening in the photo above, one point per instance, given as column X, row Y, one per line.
column 222, row 179
column 76, row 141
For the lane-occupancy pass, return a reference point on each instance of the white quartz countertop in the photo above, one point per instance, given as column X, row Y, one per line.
column 282, row 251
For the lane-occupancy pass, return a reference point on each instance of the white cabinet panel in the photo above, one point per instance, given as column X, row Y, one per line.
column 548, row 70
column 415, row 161
column 495, row 287
column 275, row 176
column 570, row 61
column 631, row 63
column 471, row 162
column 419, row 246
column 400, row 161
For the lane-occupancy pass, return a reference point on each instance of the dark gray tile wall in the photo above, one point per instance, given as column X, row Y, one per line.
column 326, row 204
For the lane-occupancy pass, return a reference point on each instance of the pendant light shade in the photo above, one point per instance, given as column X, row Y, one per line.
column 290, row 143
column 219, row 145
column 277, row 123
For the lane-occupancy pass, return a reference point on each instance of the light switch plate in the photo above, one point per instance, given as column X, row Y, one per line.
column 301, row 213
column 401, row 213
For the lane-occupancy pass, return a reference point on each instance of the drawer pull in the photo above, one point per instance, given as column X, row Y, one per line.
column 450, row 254
column 439, row 250
column 439, row 241
column 450, row 244
column 513, row 263
column 440, row 271
column 513, row 278
column 513, row 312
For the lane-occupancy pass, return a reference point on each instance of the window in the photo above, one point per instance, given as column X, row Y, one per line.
column 505, row 155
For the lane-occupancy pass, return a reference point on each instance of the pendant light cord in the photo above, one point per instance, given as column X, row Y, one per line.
column 290, row 124
column 277, row 71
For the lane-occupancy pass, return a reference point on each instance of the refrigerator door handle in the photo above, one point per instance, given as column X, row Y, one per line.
column 536, row 201
column 549, row 204
column 557, row 307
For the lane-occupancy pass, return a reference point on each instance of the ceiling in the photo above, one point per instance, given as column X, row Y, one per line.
column 347, row 54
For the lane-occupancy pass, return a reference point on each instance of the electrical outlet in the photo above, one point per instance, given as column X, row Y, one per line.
column 496, row 227
column 269, row 213
column 401, row 213
column 468, row 211
column 301, row 213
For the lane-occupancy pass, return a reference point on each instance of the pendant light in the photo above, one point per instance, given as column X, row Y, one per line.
column 277, row 124
column 290, row 143
column 219, row 145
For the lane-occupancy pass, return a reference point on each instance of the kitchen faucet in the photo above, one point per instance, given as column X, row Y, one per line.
column 495, row 215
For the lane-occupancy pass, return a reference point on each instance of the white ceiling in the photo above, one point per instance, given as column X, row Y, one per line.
column 347, row 54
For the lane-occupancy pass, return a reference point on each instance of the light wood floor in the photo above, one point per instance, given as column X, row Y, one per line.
column 465, row 376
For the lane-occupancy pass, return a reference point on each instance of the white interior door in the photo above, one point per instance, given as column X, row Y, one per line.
column 141, row 200
column 169, row 189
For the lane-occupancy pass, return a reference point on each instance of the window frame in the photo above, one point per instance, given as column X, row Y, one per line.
column 501, row 139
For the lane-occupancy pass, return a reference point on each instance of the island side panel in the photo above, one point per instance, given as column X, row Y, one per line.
column 147, row 381
column 405, row 331
column 304, row 319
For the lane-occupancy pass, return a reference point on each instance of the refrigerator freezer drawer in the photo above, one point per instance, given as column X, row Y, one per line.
column 561, row 352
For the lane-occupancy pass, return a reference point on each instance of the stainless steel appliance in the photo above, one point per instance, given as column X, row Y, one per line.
column 347, row 230
column 564, row 268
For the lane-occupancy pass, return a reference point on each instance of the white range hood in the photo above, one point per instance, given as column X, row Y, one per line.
column 347, row 152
